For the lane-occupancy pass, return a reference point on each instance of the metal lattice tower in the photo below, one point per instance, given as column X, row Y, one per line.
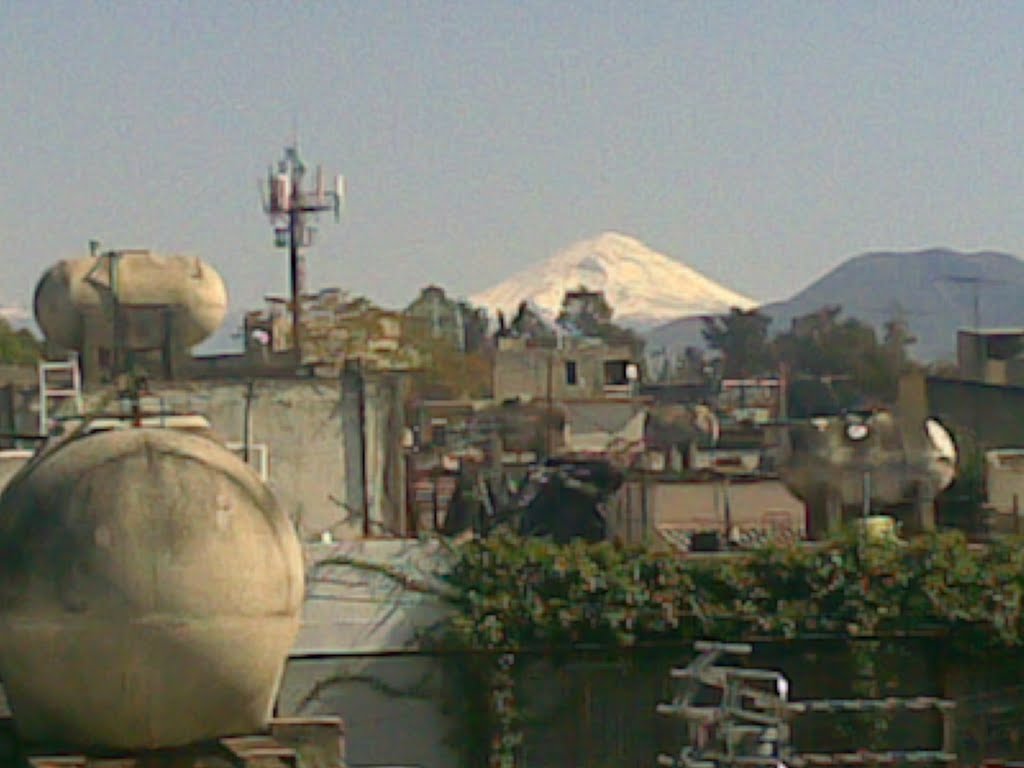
column 289, row 207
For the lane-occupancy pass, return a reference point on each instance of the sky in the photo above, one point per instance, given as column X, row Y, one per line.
column 760, row 143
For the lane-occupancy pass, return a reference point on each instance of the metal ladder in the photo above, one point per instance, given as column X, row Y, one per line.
column 58, row 381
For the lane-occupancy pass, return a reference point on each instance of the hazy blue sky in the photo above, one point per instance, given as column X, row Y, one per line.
column 760, row 143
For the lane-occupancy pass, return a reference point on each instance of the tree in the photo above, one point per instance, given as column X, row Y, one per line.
column 897, row 338
column 530, row 325
column 18, row 347
column 584, row 311
column 450, row 375
column 477, row 327
column 741, row 338
column 588, row 313
column 846, row 352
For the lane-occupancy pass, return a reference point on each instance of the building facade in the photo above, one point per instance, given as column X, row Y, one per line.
column 577, row 369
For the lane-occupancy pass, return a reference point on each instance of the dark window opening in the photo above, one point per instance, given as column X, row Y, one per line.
column 1003, row 347
column 439, row 432
column 615, row 372
column 571, row 373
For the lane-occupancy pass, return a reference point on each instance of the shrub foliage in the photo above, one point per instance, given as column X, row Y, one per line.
column 512, row 594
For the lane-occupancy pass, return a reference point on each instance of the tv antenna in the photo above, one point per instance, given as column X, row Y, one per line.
column 289, row 207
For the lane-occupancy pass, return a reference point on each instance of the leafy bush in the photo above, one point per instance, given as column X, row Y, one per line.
column 18, row 347
column 511, row 593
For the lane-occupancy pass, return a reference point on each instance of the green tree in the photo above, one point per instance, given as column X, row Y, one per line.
column 18, row 347
column 584, row 309
column 896, row 340
column 477, row 334
column 530, row 325
column 588, row 313
column 741, row 338
column 846, row 351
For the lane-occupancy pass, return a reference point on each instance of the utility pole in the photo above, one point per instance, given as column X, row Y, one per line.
column 289, row 205
column 548, row 403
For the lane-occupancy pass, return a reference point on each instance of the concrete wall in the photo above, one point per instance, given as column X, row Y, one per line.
column 392, row 706
column 990, row 356
column 1004, row 488
column 386, row 469
column 654, row 510
column 525, row 372
column 994, row 414
column 310, row 428
column 307, row 428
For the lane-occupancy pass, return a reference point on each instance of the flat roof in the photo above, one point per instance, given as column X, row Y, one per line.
column 1017, row 331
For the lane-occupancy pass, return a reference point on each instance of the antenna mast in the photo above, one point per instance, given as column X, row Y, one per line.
column 975, row 282
column 289, row 205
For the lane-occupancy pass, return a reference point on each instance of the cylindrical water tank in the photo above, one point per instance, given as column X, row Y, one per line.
column 73, row 294
column 150, row 590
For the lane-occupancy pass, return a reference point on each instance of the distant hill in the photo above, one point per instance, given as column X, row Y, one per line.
column 643, row 287
column 932, row 290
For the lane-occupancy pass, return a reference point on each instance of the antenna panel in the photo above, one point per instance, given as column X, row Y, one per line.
column 282, row 195
column 339, row 191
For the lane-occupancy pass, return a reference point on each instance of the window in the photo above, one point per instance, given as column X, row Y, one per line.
column 439, row 432
column 571, row 374
column 615, row 372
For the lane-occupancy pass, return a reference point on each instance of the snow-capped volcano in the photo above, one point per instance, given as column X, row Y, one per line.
column 643, row 287
column 17, row 317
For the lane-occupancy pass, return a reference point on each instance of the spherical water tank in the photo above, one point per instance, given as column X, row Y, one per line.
column 72, row 294
column 150, row 590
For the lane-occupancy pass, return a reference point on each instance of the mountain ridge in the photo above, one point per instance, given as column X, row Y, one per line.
column 933, row 290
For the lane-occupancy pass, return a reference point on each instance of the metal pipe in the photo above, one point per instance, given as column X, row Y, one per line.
column 250, row 388
column 363, row 480
column 119, row 362
column 548, row 408
column 293, row 255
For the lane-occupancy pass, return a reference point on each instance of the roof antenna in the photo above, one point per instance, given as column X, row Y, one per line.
column 289, row 205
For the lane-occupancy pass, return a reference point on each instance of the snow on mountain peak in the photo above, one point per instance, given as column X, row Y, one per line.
column 643, row 287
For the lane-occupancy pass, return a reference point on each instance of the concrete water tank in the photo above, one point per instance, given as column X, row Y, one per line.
column 73, row 297
column 150, row 590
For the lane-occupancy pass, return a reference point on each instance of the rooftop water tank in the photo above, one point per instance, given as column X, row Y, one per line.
column 150, row 590
column 72, row 294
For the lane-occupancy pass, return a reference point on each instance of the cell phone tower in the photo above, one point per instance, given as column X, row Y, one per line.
column 289, row 207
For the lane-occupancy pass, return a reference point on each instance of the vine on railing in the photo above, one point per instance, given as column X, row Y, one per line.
column 511, row 594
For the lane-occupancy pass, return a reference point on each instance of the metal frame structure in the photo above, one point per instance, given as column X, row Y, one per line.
column 68, row 387
column 750, row 724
